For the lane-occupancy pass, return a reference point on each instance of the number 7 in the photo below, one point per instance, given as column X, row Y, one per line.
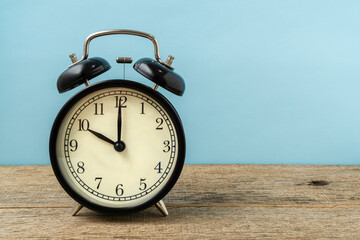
column 100, row 179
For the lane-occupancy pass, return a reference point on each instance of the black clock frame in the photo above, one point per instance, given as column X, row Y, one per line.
column 168, row 107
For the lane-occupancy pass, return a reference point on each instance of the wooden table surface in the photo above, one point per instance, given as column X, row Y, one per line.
column 208, row 202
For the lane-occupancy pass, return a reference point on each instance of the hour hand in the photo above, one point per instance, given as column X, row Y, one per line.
column 102, row 137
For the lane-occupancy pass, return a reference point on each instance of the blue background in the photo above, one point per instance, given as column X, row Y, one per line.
column 268, row 82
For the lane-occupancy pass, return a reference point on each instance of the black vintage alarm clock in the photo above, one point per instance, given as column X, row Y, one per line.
column 118, row 146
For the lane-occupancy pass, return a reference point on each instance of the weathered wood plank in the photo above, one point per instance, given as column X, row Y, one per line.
column 183, row 223
column 208, row 202
column 208, row 185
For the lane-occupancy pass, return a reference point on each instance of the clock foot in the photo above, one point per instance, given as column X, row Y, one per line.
column 162, row 208
column 77, row 207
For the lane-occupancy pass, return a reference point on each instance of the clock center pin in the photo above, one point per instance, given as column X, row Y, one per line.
column 119, row 146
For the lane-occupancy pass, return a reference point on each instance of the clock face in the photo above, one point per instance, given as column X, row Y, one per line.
column 117, row 146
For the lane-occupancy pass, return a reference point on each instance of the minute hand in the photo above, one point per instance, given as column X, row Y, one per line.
column 99, row 135
column 119, row 123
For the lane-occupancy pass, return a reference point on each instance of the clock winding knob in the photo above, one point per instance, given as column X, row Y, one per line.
column 169, row 60
column 73, row 58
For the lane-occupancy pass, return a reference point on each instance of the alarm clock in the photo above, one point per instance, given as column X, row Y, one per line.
column 118, row 146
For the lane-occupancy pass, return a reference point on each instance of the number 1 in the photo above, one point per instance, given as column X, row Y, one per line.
column 142, row 108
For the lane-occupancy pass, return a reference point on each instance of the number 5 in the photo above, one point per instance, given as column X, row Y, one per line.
column 142, row 184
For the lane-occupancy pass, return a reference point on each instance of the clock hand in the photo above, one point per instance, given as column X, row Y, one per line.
column 119, row 146
column 119, row 123
column 99, row 135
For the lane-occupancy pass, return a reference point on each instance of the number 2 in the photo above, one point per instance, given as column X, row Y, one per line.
column 160, row 121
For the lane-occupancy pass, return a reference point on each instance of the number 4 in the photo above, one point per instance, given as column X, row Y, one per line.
column 158, row 168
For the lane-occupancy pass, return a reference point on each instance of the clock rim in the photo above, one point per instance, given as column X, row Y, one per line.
column 170, row 110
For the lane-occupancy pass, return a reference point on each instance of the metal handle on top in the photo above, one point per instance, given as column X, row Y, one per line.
column 127, row 32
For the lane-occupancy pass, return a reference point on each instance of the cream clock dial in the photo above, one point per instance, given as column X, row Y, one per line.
column 117, row 146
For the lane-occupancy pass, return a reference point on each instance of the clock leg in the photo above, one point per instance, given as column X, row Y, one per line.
column 77, row 207
column 86, row 83
column 162, row 208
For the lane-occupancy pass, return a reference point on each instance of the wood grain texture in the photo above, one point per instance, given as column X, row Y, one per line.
column 208, row 202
